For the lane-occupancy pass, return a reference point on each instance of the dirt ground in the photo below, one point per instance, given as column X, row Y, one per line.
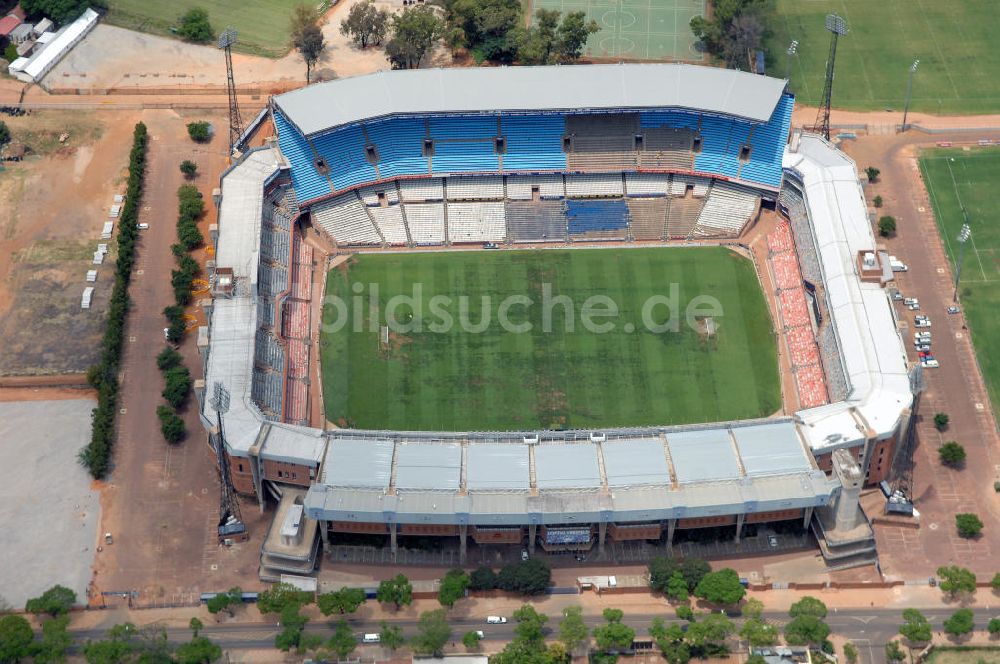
column 56, row 202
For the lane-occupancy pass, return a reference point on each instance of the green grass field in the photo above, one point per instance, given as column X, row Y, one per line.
column 636, row 29
column 502, row 380
column 954, row 41
column 262, row 24
column 954, row 178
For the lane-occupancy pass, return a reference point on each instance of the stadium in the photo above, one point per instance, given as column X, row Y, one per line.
column 565, row 170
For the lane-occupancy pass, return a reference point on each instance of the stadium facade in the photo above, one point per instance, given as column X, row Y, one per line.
column 532, row 155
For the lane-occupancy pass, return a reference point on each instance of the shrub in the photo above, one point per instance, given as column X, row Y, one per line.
column 969, row 525
column 194, row 26
column 872, row 173
column 10, row 53
column 482, row 578
column 952, row 454
column 171, row 425
column 886, row 226
column 168, row 358
column 4, row 133
column 200, row 132
column 877, row 201
column 189, row 168
column 178, row 384
column 941, row 421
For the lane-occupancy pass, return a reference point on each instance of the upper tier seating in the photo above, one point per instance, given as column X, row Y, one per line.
column 421, row 189
column 345, row 219
column 727, row 210
column 767, row 144
column 389, row 220
column 665, row 147
column 306, row 179
column 533, row 142
column 344, row 152
column 488, row 187
column 476, row 222
column 464, row 144
column 536, row 221
column 594, row 185
column 549, row 186
column 715, row 143
column 675, row 119
column 426, row 222
column 400, row 144
column 602, row 153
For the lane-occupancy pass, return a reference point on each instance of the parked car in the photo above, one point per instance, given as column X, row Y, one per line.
column 954, row 310
column 772, row 541
column 371, row 638
column 142, row 227
column 496, row 620
column 923, row 323
column 923, row 347
column 907, row 301
column 930, row 364
column 913, row 307
column 922, row 335
column 895, row 295
column 490, row 245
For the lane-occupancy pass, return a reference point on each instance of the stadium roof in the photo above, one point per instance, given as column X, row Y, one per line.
column 429, row 467
column 702, row 456
column 635, row 462
column 317, row 108
column 497, row 466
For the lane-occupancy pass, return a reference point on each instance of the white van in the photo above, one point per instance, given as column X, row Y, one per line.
column 371, row 638
column 495, row 620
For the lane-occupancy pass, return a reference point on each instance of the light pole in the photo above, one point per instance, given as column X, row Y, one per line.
column 793, row 48
column 909, row 90
column 963, row 238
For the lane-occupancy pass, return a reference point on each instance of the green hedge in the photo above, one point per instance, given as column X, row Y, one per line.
column 96, row 456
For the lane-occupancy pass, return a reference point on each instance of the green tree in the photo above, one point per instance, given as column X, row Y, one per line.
column 529, row 577
column 415, row 30
column 614, row 634
column 224, row 601
column 661, row 570
column 366, row 24
column 433, row 632
column 310, row 45
column 893, row 652
column 530, row 624
column 685, row 612
column 173, row 430
column 960, row 623
column 969, row 525
column 177, row 385
column 806, row 630
column 808, row 606
column 345, row 600
column 391, row 636
column 168, row 359
column 471, row 640
column 952, row 454
column 574, row 31
column 488, row 28
column 707, row 637
column 189, row 168
column 342, row 642
column 872, row 173
column 851, row 653
column 573, row 630
column 670, row 641
column 677, row 587
column 993, row 626
column 60, row 11
column 955, row 580
column 398, row 591
column 15, row 638
column 195, row 625
column 734, row 30
column 941, row 421
column 281, row 595
column 54, row 643
column 722, row 587
column 4, row 131
column 995, row 581
column 694, row 570
column 916, row 628
column 55, row 601
column 753, row 608
column 886, row 225
column 758, row 633
column 482, row 578
column 453, row 587
column 877, row 201
column 200, row 132
column 293, row 623
column 195, row 27
column 199, row 650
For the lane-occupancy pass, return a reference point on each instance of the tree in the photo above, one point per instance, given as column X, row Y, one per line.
column 199, row 650
column 677, row 587
column 415, row 30
column 893, row 652
column 345, row 600
column 753, row 608
column 955, row 580
column 433, row 632
column 574, row 31
column 471, row 640
column 872, row 173
column 4, row 134
column 173, row 430
column 670, row 641
column 661, row 570
column 396, row 590
column 694, row 570
column 225, row 601
column 55, row 601
column 342, row 642
column 482, row 578
column 550, row 41
column 200, row 132
column 281, row 595
column 806, row 630
column 453, row 587
column 969, row 525
column 310, row 45
column 952, row 454
column 851, row 653
column 60, row 11
column 391, row 636
column 189, row 168
column 54, row 643
column 530, row 624
column 707, row 637
column 614, row 634
column 722, row 587
column 758, row 633
column 735, row 27
column 573, row 630
column 808, row 606
column 993, row 626
column 15, row 638
column 488, row 28
column 194, row 26
column 886, row 226
column 366, row 24
column 293, row 623
column 177, row 385
column 941, row 421
column 915, row 627
column 960, row 623
column 529, row 577
column 195, row 625
column 877, row 201
column 168, row 358
column 995, row 582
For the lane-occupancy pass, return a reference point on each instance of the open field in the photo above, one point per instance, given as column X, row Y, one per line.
column 636, row 29
column 954, row 41
column 965, row 655
column 262, row 24
column 434, row 376
column 955, row 178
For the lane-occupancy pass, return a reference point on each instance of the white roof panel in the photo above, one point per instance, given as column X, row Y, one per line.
column 701, row 456
column 567, row 466
column 497, row 466
column 635, row 462
column 429, row 466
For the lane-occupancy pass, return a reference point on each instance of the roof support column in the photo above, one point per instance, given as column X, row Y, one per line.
column 671, row 527
column 807, row 516
column 602, row 533
column 739, row 526
column 463, row 531
column 392, row 539
column 532, row 528
column 324, row 532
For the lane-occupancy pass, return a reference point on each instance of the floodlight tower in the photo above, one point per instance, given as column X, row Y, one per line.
column 230, row 519
column 226, row 41
column 909, row 91
column 963, row 238
column 837, row 27
column 793, row 49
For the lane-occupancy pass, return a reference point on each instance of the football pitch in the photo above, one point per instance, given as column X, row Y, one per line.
column 954, row 41
column 524, row 350
column 636, row 29
column 955, row 178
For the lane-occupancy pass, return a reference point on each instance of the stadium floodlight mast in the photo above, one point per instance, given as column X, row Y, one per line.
column 793, row 48
column 909, row 91
column 226, row 41
column 963, row 238
column 837, row 26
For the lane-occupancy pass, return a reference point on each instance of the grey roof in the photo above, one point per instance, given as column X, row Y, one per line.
column 429, row 467
column 770, row 449
column 635, row 462
column 700, row 456
column 498, row 466
column 293, row 444
column 355, row 462
column 567, row 466
column 323, row 106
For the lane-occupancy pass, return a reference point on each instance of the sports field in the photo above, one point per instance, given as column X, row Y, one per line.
column 955, row 178
column 262, row 24
column 505, row 377
column 955, row 42
column 636, row 29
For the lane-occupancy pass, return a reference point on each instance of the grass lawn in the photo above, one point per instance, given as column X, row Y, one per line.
column 262, row 24
column 954, row 41
column 954, row 178
column 502, row 380
column 964, row 655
